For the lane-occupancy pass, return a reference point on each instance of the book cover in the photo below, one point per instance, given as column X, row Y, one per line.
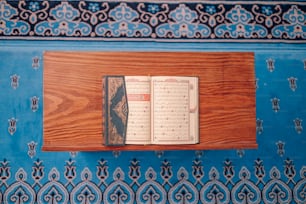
column 115, row 109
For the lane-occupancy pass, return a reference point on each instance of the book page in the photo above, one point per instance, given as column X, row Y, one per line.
column 175, row 110
column 138, row 95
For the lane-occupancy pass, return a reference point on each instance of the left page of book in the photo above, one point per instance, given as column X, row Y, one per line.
column 138, row 96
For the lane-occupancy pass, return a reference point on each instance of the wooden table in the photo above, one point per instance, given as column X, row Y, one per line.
column 73, row 96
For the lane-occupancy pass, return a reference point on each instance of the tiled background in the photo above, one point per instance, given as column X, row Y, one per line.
column 273, row 173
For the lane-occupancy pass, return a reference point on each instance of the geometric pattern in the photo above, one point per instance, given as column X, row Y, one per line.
column 221, row 21
column 273, row 173
column 202, row 185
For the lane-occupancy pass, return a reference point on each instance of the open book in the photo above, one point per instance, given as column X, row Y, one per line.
column 162, row 110
column 150, row 110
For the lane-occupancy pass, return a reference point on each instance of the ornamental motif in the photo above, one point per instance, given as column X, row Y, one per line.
column 5, row 172
column 63, row 21
column 182, row 23
column 32, row 149
column 37, row 172
column 295, row 25
column 123, row 21
column 259, row 172
column 197, row 172
column 228, row 172
column 239, row 23
column 34, row 103
column 153, row 13
column 53, row 191
column 93, row 11
column 299, row 189
column 70, row 172
column 270, row 64
column 33, row 11
column 15, row 81
column 20, row 191
column 214, row 191
column 9, row 22
column 245, row 191
column 151, row 191
column 183, row 191
column 35, row 62
column 298, row 125
column 211, row 14
column 292, row 83
column 102, row 172
column 86, row 191
column 118, row 191
column 134, row 172
column 275, row 104
column 280, row 148
column 259, row 126
column 12, row 125
column 268, row 15
column 276, row 191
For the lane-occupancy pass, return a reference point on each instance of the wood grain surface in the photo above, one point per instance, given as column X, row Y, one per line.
column 73, row 96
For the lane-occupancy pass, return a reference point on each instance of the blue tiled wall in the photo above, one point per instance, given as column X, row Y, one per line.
column 273, row 173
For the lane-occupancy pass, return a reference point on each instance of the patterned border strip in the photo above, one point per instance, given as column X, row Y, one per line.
column 222, row 21
column 149, row 186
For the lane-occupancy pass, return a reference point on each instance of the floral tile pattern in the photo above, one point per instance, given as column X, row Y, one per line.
column 165, row 186
column 161, row 21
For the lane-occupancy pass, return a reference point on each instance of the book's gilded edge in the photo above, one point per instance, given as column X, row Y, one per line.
column 115, row 110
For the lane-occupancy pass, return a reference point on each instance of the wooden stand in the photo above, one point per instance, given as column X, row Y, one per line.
column 73, row 96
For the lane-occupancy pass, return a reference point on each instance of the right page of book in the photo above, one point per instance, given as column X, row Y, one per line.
column 175, row 112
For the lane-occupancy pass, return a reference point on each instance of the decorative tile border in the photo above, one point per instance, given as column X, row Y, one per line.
column 102, row 185
column 221, row 21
